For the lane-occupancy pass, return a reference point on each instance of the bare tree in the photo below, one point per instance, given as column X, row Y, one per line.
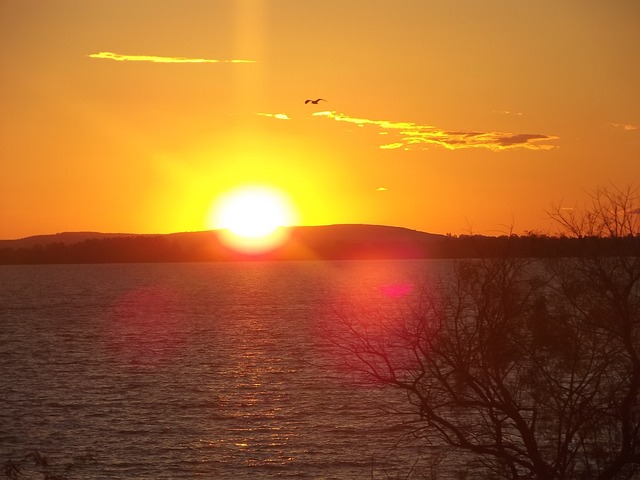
column 529, row 367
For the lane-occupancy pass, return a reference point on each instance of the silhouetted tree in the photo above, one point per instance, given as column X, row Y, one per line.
column 529, row 367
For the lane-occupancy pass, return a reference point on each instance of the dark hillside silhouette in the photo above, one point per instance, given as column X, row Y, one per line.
column 67, row 238
column 330, row 242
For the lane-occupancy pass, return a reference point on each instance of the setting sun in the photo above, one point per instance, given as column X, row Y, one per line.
column 252, row 218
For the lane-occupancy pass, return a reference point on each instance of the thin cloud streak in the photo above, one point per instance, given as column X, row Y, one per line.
column 626, row 127
column 412, row 136
column 157, row 59
column 277, row 116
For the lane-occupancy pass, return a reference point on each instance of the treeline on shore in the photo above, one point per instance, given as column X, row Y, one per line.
column 207, row 247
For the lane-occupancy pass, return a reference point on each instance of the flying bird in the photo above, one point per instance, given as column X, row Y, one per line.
column 314, row 101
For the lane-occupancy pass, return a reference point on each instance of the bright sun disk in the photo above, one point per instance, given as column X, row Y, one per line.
column 251, row 218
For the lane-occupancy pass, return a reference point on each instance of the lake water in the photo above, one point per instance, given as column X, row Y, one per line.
column 181, row 371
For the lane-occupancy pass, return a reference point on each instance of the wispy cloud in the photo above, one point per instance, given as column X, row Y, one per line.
column 156, row 59
column 277, row 116
column 411, row 136
column 507, row 112
column 627, row 127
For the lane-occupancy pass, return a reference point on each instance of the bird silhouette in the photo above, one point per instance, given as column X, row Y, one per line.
column 314, row 101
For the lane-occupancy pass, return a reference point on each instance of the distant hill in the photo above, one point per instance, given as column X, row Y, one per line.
column 66, row 238
column 314, row 234
column 304, row 243
column 362, row 241
column 328, row 242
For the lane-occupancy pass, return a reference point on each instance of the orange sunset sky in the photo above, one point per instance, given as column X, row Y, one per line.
column 443, row 116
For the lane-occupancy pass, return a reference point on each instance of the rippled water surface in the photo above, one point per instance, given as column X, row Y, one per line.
column 180, row 371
